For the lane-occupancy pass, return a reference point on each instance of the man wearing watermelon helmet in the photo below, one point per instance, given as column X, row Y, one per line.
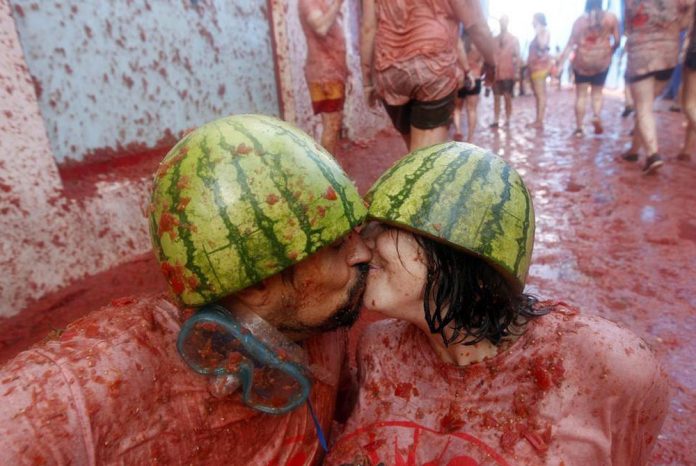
column 469, row 369
column 252, row 224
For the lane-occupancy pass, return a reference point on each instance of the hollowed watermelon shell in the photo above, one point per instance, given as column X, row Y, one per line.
column 465, row 196
column 242, row 198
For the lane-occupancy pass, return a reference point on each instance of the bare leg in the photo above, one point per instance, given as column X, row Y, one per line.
column 597, row 100
column 508, row 107
column 539, row 88
column 331, row 123
column 471, row 117
column 458, row 105
column 596, row 93
column 628, row 101
column 689, row 108
column 644, row 93
column 496, row 109
column 580, row 104
column 636, row 143
column 427, row 137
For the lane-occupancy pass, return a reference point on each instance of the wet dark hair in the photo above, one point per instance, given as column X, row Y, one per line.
column 472, row 301
column 540, row 18
column 593, row 5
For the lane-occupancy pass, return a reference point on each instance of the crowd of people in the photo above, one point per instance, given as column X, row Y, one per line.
column 428, row 62
column 250, row 217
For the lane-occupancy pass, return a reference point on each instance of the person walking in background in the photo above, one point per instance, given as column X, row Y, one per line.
column 507, row 63
column 471, row 61
column 652, row 28
column 594, row 38
column 325, row 69
column 539, row 65
column 689, row 94
column 408, row 52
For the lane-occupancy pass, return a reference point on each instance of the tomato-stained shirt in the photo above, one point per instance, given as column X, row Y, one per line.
column 572, row 389
column 112, row 389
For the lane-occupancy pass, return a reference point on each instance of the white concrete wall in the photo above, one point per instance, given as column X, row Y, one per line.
column 115, row 75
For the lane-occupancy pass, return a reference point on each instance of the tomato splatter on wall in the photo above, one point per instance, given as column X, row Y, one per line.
column 156, row 59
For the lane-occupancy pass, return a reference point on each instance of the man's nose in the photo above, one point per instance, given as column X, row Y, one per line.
column 357, row 251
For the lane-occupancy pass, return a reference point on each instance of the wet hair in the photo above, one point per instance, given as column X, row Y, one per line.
column 467, row 301
column 591, row 5
column 540, row 18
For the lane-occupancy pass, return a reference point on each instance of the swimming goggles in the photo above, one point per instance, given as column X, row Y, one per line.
column 243, row 351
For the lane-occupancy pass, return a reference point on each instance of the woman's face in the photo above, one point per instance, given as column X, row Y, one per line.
column 397, row 273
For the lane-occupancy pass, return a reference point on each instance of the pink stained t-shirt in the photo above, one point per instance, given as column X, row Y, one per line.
column 112, row 389
column 415, row 50
column 572, row 390
column 326, row 56
column 652, row 28
column 592, row 35
column 507, row 55
column 413, row 28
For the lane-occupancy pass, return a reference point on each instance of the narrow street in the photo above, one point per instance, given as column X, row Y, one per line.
column 609, row 240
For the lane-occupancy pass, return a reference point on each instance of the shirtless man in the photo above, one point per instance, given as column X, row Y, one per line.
column 507, row 62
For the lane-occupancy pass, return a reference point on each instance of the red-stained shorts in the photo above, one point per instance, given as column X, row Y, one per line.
column 327, row 97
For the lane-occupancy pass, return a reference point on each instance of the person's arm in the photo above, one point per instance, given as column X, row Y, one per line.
column 686, row 12
column 461, row 55
column 570, row 46
column 368, row 29
column 516, row 57
column 469, row 13
column 321, row 22
column 615, row 34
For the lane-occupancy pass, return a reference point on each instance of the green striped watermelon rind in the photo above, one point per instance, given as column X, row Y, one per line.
column 242, row 198
column 464, row 196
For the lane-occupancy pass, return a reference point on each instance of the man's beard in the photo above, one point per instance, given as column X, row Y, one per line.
column 346, row 314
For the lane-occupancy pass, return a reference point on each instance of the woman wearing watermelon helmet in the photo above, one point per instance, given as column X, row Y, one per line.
column 469, row 369
column 249, row 217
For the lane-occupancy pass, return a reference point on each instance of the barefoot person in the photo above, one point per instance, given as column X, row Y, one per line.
column 539, row 65
column 408, row 53
column 469, row 369
column 249, row 217
column 594, row 38
column 652, row 28
column 325, row 69
column 507, row 63
column 471, row 62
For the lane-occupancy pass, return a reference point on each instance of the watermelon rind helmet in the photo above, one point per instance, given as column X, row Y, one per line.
column 241, row 199
column 464, row 196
